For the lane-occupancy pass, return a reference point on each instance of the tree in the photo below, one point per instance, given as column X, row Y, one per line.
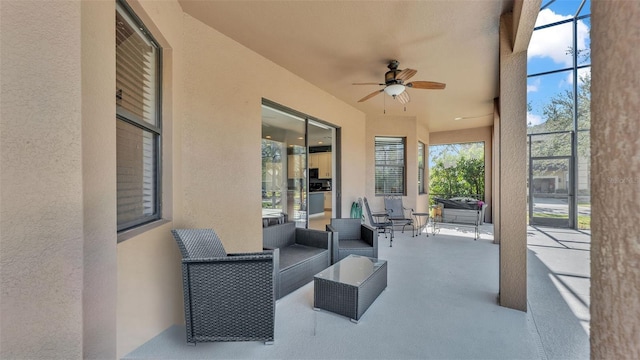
column 558, row 117
column 272, row 172
column 472, row 172
column 457, row 170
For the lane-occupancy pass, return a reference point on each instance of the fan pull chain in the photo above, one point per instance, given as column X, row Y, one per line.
column 384, row 102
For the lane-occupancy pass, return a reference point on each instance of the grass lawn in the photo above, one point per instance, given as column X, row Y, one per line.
column 584, row 221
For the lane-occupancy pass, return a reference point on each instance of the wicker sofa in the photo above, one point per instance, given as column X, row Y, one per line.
column 298, row 254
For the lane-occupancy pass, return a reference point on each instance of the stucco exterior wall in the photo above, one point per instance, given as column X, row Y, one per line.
column 224, row 86
column 216, row 90
column 98, row 181
column 482, row 134
column 422, row 202
column 41, row 202
column 397, row 126
column 512, row 171
column 149, row 288
column 495, row 179
column 68, row 291
column 615, row 180
column 149, row 296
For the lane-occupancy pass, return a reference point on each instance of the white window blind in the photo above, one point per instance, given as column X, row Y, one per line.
column 138, row 122
column 390, row 166
column 136, row 71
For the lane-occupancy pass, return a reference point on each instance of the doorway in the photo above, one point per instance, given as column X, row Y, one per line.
column 551, row 179
column 298, row 167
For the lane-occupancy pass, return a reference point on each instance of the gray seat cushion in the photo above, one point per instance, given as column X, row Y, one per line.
column 294, row 254
column 353, row 244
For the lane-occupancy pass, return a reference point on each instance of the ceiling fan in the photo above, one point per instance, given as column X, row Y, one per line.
column 395, row 86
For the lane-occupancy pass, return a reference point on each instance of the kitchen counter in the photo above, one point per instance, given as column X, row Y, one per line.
column 316, row 202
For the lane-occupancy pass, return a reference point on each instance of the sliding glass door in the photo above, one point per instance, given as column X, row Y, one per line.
column 284, row 166
column 297, row 169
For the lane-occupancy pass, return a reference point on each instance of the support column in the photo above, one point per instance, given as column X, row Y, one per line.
column 512, row 170
column 99, row 291
column 41, row 203
column 495, row 180
column 615, row 180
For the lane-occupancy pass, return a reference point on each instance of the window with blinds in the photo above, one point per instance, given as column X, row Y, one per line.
column 138, row 130
column 390, row 166
column 421, row 157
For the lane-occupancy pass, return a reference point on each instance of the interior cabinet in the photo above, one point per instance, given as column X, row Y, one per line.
column 313, row 161
column 327, row 200
column 322, row 162
column 324, row 165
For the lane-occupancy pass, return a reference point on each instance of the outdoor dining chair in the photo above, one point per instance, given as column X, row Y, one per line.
column 398, row 214
column 379, row 221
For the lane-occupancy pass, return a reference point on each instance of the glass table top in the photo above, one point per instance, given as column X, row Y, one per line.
column 352, row 270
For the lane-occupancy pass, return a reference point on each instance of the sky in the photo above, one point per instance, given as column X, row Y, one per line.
column 548, row 51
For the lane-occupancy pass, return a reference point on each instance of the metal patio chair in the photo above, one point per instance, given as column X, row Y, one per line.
column 397, row 212
column 379, row 221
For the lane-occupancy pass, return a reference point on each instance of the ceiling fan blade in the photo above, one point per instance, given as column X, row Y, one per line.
column 367, row 83
column 403, row 98
column 406, row 74
column 371, row 95
column 426, row 85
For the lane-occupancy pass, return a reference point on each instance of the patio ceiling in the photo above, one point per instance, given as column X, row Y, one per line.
column 333, row 44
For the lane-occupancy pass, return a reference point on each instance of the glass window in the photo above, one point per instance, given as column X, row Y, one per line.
column 583, row 35
column 558, row 98
column 552, row 11
column 550, row 102
column 138, row 130
column 584, row 98
column 421, row 157
column 551, row 47
column 390, row 166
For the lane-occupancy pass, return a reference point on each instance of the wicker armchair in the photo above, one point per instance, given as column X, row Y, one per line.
column 351, row 236
column 226, row 297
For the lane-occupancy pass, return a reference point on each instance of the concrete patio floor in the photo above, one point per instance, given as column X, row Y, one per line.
column 440, row 303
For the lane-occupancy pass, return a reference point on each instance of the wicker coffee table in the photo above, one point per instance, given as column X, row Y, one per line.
column 350, row 286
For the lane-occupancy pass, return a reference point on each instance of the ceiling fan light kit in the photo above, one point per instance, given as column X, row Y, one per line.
column 395, row 87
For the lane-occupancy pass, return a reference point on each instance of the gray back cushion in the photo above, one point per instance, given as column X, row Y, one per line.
column 279, row 236
column 347, row 228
